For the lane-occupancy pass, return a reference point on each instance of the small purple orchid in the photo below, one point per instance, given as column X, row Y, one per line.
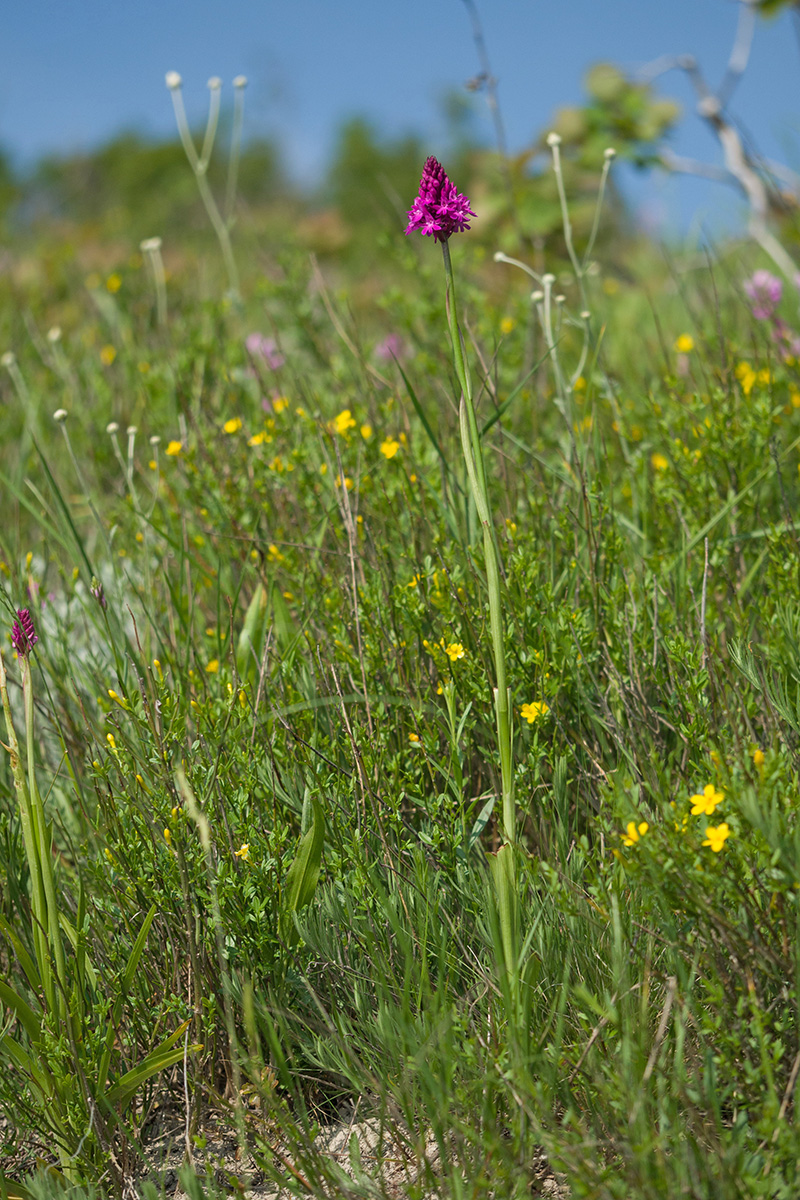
column 438, row 209
column 23, row 634
column 260, row 346
column 764, row 291
column 392, row 347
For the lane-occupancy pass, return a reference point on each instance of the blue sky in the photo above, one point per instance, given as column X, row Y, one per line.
column 73, row 74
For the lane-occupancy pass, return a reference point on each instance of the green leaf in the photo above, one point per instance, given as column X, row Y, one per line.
column 165, row 1055
column 481, row 821
column 251, row 638
column 25, row 960
column 12, row 1189
column 27, row 1063
column 303, row 874
column 425, row 423
column 27, row 1017
column 83, row 962
column 136, row 953
column 498, row 412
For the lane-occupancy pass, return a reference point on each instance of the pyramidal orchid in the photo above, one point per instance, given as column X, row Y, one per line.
column 438, row 209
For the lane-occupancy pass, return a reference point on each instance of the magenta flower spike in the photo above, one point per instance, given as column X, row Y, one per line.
column 266, row 348
column 764, row 292
column 438, row 208
column 23, row 635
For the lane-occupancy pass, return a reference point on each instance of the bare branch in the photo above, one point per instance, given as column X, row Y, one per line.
column 692, row 166
column 740, row 54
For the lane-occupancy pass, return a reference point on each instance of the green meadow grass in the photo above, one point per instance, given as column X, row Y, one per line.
column 273, row 729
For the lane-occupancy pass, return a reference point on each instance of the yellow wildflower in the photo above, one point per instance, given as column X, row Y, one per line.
column 758, row 757
column 213, row 666
column 243, row 852
column 716, row 835
column 366, row 432
column 746, row 376
column 107, row 355
column 174, row 448
column 233, row 425
column 280, row 404
column 274, row 554
column 113, row 283
column 414, row 739
column 531, row 712
column 684, row 344
column 634, row 832
column 506, row 325
column 454, row 650
column 344, row 422
column 389, row 447
column 706, row 802
column 659, row 461
column 167, row 836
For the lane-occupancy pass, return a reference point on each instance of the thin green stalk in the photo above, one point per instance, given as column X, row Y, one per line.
column 44, row 839
column 239, row 84
column 554, row 141
column 473, row 455
column 27, row 820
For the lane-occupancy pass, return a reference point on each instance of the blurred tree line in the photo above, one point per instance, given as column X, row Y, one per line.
column 134, row 188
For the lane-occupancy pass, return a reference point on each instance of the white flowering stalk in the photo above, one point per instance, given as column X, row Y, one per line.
column 199, row 163
column 151, row 249
column 543, row 297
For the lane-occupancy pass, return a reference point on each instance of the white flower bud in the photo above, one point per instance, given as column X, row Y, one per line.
column 548, row 280
column 54, row 334
column 560, row 299
column 537, row 296
column 60, row 415
column 214, row 83
column 8, row 359
column 498, row 256
column 554, row 139
column 240, row 81
column 609, row 153
column 150, row 245
column 585, row 315
column 155, row 440
column 173, row 80
column 131, row 430
column 112, row 427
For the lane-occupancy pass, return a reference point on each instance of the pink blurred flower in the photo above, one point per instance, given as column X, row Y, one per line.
column 391, row 347
column 438, row 208
column 264, row 347
column 764, row 291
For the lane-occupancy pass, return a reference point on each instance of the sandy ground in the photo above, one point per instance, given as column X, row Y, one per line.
column 379, row 1168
